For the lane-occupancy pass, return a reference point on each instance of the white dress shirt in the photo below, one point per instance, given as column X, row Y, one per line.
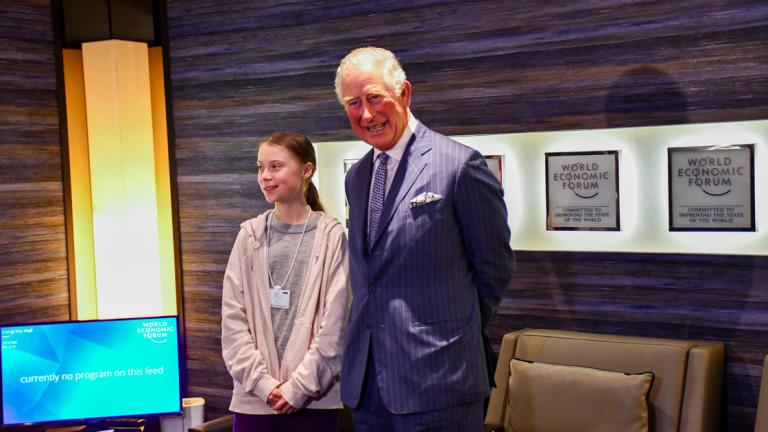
column 395, row 154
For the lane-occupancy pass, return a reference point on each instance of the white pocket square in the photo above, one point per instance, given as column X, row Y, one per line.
column 424, row 198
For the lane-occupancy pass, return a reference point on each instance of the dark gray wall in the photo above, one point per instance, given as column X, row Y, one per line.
column 242, row 70
column 33, row 262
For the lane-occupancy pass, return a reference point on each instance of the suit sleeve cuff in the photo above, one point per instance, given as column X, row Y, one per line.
column 292, row 393
column 265, row 386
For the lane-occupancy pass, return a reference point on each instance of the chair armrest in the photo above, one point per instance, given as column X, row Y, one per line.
column 494, row 416
column 702, row 402
column 221, row 424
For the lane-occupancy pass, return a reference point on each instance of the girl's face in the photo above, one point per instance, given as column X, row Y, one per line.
column 281, row 174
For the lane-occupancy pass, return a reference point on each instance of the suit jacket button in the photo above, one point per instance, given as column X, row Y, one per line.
column 368, row 326
column 371, row 289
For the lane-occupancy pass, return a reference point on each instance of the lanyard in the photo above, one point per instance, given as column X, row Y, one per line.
column 290, row 268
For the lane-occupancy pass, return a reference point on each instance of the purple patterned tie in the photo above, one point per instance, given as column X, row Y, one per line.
column 377, row 198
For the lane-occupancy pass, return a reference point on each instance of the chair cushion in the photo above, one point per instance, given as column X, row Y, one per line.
column 666, row 358
column 547, row 397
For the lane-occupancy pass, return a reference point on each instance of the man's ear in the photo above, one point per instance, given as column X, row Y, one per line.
column 406, row 94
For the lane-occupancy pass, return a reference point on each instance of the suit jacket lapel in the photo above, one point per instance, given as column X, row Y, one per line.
column 358, row 201
column 409, row 169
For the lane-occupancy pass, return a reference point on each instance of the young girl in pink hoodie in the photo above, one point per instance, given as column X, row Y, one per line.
column 284, row 300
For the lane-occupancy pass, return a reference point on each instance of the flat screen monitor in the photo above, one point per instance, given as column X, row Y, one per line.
column 84, row 370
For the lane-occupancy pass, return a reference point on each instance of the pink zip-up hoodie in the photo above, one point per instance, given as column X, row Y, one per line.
column 310, row 368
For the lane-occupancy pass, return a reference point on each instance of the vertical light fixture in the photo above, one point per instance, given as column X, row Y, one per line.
column 120, row 215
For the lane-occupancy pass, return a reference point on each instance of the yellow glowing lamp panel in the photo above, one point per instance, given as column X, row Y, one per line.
column 82, row 275
column 132, row 248
column 163, row 182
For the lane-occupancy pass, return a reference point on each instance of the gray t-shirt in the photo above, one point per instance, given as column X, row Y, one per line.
column 283, row 241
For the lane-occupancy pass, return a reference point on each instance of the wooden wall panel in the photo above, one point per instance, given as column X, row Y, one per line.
column 476, row 66
column 33, row 262
column 241, row 70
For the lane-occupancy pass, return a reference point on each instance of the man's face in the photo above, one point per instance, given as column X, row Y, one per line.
column 376, row 114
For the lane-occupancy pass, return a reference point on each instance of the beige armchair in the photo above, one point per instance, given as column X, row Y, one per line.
column 761, row 424
column 686, row 390
column 221, row 424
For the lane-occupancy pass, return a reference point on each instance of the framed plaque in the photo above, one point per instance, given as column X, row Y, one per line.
column 347, row 164
column 712, row 188
column 494, row 163
column 583, row 190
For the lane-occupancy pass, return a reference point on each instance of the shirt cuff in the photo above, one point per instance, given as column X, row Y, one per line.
column 292, row 393
column 264, row 386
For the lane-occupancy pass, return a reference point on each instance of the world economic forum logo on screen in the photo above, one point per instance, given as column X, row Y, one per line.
column 157, row 331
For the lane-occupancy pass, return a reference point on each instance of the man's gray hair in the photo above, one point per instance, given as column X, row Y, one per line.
column 381, row 59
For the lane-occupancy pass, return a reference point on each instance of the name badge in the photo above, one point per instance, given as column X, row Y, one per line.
column 280, row 298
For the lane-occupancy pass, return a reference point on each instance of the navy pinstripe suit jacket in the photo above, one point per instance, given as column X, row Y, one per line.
column 431, row 280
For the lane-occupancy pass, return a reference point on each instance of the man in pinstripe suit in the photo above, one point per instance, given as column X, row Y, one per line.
column 429, row 261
